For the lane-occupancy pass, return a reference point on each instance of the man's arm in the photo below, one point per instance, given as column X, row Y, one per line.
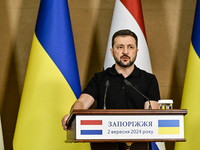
column 154, row 104
column 84, row 102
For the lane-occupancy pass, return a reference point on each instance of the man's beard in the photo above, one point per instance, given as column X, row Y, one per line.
column 120, row 63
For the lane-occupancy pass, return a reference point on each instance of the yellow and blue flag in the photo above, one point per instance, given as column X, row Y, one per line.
column 191, row 90
column 52, row 82
column 1, row 137
column 168, row 127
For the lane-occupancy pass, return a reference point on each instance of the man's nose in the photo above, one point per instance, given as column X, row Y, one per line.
column 125, row 50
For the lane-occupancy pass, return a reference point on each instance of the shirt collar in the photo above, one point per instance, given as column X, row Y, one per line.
column 113, row 71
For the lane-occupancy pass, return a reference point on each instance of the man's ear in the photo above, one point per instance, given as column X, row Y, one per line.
column 111, row 50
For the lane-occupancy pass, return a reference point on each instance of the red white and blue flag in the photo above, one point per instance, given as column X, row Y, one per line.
column 87, row 129
column 128, row 15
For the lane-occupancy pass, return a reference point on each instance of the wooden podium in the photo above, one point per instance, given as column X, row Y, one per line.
column 126, row 125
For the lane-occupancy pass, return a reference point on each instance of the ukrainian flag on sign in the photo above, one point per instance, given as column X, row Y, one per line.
column 51, row 84
column 191, row 90
column 168, row 127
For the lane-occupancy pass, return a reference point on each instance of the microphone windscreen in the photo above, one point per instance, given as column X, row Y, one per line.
column 107, row 83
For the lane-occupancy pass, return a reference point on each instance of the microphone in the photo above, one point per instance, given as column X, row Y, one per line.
column 130, row 84
column 107, row 85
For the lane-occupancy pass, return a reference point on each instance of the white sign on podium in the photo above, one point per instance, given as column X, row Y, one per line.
column 129, row 127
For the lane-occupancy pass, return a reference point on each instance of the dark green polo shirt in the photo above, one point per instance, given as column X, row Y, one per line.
column 120, row 95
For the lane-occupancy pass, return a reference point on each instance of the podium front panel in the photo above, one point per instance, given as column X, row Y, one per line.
column 126, row 125
column 129, row 127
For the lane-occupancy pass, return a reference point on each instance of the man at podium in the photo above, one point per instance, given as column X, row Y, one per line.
column 122, row 86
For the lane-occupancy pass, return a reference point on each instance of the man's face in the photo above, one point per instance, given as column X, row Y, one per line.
column 124, row 50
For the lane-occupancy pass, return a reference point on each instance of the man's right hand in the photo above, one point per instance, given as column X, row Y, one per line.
column 64, row 122
column 84, row 102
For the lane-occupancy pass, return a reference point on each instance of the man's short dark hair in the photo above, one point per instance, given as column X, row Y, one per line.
column 124, row 33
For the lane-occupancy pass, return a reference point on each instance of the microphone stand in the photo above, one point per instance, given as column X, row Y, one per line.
column 129, row 84
column 107, row 85
column 128, row 144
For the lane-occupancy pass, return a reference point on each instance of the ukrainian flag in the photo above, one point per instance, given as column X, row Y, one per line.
column 51, row 84
column 168, row 127
column 191, row 91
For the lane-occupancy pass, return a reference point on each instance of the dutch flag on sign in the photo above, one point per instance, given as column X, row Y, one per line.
column 91, row 127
